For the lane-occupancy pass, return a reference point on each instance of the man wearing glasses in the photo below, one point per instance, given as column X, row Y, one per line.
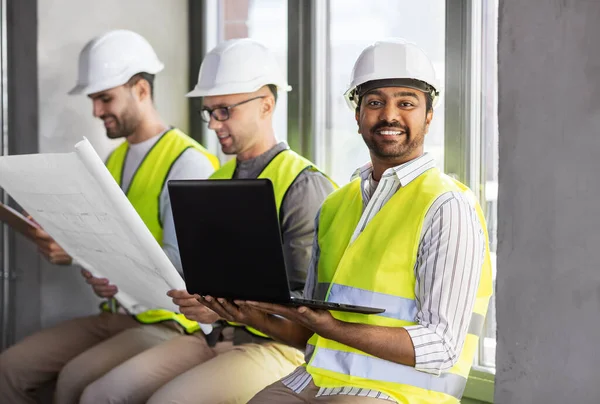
column 239, row 81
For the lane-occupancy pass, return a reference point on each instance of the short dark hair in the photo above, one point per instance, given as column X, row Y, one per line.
column 273, row 89
column 143, row 76
column 428, row 102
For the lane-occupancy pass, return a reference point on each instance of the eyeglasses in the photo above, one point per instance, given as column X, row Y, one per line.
column 222, row 113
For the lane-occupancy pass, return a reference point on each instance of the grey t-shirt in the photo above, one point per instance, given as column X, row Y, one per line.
column 191, row 164
column 298, row 209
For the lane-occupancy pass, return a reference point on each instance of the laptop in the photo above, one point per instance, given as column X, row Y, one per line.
column 230, row 242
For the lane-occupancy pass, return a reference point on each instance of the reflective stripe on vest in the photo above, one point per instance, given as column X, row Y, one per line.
column 401, row 308
column 388, row 246
column 144, row 192
column 149, row 179
column 369, row 367
column 282, row 170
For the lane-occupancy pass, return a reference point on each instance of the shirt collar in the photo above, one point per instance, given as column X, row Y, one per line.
column 405, row 173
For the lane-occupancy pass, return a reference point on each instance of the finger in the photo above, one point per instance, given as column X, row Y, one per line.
column 97, row 281
column 309, row 315
column 251, row 312
column 55, row 248
column 106, row 289
column 31, row 218
column 179, row 294
column 274, row 308
column 106, row 295
column 187, row 302
column 215, row 306
column 190, row 312
column 42, row 234
column 195, row 313
column 230, row 307
column 86, row 274
column 62, row 259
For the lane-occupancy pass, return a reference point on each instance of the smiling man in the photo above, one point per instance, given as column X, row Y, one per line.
column 402, row 236
column 239, row 81
column 116, row 71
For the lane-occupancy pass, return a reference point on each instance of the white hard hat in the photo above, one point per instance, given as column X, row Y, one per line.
column 113, row 58
column 392, row 63
column 238, row 66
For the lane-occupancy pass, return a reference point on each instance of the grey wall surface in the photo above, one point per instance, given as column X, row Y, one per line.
column 548, row 296
column 23, row 299
column 64, row 26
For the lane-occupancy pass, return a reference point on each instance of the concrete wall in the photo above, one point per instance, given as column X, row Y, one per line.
column 64, row 26
column 22, row 314
column 548, row 296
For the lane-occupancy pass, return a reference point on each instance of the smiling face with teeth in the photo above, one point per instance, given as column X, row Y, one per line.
column 393, row 122
column 119, row 109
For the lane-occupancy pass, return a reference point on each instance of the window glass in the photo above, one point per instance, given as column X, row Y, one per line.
column 355, row 24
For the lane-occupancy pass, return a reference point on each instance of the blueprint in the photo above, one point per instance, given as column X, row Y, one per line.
column 76, row 200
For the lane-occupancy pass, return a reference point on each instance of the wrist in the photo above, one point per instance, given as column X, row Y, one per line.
column 332, row 329
column 264, row 322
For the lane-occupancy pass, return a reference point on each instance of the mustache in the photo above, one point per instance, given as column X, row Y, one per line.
column 103, row 117
column 386, row 124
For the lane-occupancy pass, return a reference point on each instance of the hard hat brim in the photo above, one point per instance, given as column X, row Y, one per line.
column 352, row 98
column 78, row 89
column 200, row 92
column 114, row 82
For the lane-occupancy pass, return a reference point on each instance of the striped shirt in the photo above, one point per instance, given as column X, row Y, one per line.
column 449, row 260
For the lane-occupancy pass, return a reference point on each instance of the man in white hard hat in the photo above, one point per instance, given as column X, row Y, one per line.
column 116, row 71
column 400, row 236
column 239, row 81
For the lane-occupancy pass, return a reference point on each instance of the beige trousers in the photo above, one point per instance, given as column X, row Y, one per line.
column 136, row 379
column 75, row 354
column 233, row 375
column 278, row 393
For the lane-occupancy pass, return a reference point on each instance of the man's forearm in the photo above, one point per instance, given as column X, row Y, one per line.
column 390, row 343
column 285, row 331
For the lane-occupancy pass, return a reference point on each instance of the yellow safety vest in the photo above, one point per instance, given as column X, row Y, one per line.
column 282, row 170
column 378, row 269
column 144, row 194
column 149, row 179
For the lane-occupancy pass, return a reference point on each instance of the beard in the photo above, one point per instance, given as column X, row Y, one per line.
column 394, row 147
column 124, row 126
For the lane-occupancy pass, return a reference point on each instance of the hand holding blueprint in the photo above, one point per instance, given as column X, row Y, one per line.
column 75, row 199
column 17, row 221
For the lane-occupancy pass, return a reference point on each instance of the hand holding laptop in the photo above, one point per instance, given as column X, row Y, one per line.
column 235, row 311
column 317, row 320
column 190, row 306
column 262, row 316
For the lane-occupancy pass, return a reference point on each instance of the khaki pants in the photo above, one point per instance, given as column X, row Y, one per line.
column 77, row 352
column 278, row 393
column 233, row 374
column 136, row 379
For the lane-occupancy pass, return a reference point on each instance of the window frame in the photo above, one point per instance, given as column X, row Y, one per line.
column 464, row 154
